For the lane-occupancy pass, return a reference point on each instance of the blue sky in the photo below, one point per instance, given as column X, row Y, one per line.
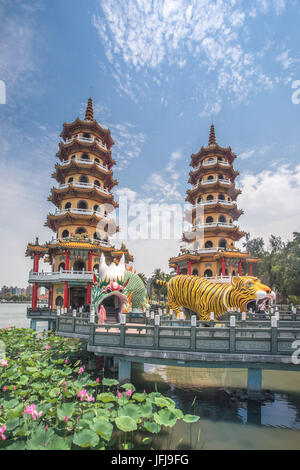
column 159, row 73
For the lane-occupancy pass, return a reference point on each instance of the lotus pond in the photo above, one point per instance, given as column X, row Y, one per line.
column 53, row 398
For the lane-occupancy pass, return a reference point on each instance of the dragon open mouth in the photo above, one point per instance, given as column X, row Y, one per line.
column 113, row 303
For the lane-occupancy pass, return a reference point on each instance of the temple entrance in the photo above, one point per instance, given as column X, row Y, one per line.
column 112, row 307
column 77, row 297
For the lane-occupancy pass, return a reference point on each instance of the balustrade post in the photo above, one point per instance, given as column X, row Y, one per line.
column 156, row 332
column 122, row 330
column 243, row 323
column 274, row 335
column 212, row 319
column 294, row 314
column 232, row 337
column 73, row 320
column 193, row 332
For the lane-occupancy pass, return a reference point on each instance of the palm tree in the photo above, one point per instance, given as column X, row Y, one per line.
column 143, row 277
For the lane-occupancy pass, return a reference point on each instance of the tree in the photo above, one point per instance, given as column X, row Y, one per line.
column 143, row 277
column 255, row 246
column 280, row 264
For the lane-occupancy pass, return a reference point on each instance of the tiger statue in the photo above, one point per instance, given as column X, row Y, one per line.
column 203, row 296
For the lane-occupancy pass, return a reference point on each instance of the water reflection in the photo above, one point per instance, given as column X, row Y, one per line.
column 227, row 422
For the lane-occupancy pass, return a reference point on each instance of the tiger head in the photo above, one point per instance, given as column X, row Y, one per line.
column 248, row 289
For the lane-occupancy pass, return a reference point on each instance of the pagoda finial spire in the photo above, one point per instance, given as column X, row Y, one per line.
column 212, row 137
column 89, row 114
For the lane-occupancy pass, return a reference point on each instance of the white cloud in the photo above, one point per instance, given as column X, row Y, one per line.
column 271, row 201
column 245, row 155
column 22, row 213
column 128, row 143
column 285, row 60
column 142, row 36
column 18, row 50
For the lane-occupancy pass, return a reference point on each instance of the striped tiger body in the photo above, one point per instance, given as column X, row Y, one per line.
column 203, row 296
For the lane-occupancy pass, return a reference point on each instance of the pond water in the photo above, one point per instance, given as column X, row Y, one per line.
column 225, row 422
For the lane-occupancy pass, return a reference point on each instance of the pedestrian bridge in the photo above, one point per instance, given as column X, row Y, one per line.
column 239, row 341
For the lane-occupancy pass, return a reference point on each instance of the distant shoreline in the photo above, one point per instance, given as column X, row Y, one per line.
column 19, row 302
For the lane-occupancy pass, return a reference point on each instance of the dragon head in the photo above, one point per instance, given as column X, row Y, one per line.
column 111, row 282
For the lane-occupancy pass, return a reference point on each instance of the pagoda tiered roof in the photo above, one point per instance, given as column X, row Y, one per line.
column 212, row 149
column 55, row 220
column 58, row 194
column 229, row 172
column 88, row 124
column 92, row 167
column 57, row 246
column 216, row 230
column 75, row 145
column 199, row 190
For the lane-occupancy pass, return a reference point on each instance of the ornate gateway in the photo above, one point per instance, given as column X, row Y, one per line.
column 117, row 290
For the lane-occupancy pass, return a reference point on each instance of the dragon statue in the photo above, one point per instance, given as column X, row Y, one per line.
column 203, row 296
column 118, row 281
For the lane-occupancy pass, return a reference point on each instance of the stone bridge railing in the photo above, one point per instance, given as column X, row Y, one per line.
column 248, row 337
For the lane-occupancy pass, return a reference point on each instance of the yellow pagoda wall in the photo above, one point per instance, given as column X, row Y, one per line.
column 90, row 202
column 90, row 229
column 58, row 290
column 91, row 179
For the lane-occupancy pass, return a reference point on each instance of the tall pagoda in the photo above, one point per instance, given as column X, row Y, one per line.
column 82, row 220
column 213, row 214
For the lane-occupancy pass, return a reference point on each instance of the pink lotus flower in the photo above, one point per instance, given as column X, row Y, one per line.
column 14, row 388
column 66, row 419
column 97, row 380
column 47, row 347
column 64, row 383
column 4, row 388
column 2, row 431
column 129, row 392
column 82, row 394
column 119, row 394
column 4, row 363
column 31, row 410
column 80, row 370
column 90, row 398
column 66, row 361
column 46, row 427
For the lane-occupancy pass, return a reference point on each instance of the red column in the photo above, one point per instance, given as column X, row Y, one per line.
column 36, row 263
column 51, row 297
column 66, row 294
column 250, row 269
column 89, row 293
column 189, row 268
column 67, row 261
column 177, row 270
column 34, row 296
column 240, row 267
column 90, row 261
column 223, row 267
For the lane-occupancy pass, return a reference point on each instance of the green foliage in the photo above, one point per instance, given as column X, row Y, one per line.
column 280, row 265
column 46, row 404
